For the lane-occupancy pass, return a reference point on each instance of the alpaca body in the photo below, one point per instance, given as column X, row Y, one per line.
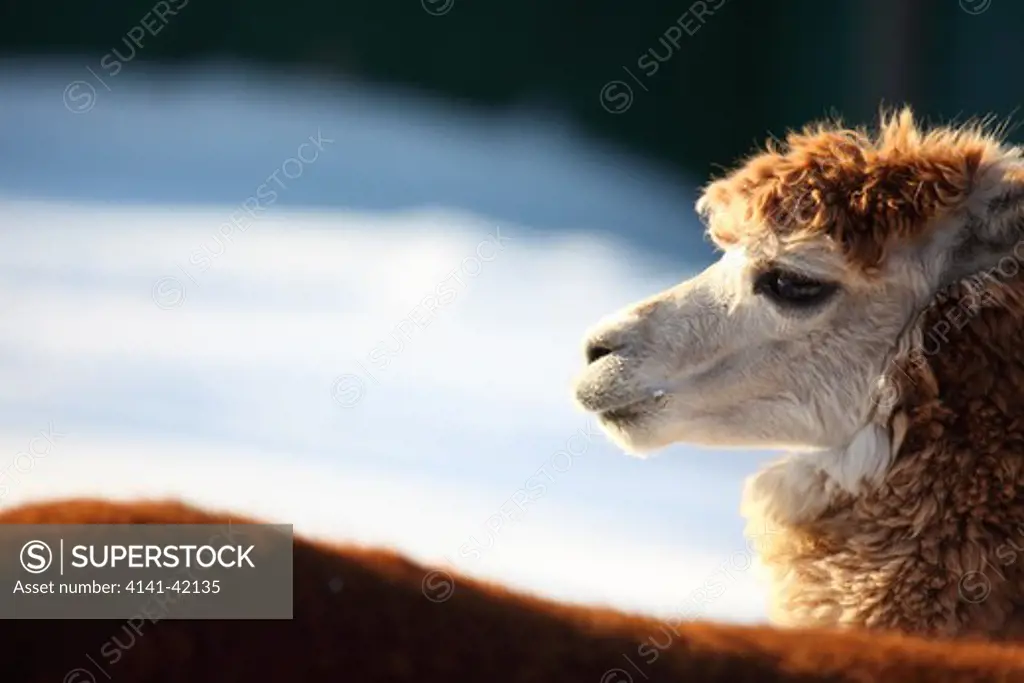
column 369, row 615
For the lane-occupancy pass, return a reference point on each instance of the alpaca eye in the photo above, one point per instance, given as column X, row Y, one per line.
column 791, row 289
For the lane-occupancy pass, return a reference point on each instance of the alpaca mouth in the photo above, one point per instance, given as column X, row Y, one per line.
column 608, row 388
column 607, row 395
column 631, row 412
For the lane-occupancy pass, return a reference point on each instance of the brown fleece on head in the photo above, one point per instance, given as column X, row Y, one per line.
column 937, row 548
column 863, row 193
column 363, row 615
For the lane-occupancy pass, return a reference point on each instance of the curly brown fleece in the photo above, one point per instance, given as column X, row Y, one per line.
column 937, row 548
column 361, row 615
column 866, row 193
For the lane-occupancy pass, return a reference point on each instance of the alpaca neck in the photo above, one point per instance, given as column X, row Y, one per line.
column 951, row 425
column 962, row 384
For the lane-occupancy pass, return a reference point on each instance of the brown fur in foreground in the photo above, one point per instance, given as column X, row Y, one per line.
column 362, row 615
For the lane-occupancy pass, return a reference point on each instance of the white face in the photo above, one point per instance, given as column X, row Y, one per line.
column 743, row 355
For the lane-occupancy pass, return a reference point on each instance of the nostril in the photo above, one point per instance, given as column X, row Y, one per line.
column 596, row 352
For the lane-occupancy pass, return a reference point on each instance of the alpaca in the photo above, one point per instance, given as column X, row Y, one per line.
column 866, row 316
column 371, row 615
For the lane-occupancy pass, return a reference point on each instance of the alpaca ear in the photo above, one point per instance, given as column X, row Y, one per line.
column 994, row 233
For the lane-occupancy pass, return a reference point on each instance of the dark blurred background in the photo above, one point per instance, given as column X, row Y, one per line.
column 689, row 83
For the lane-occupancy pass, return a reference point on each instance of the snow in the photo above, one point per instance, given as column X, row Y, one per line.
column 383, row 354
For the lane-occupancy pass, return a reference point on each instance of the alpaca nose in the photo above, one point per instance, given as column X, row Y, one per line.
column 620, row 333
column 602, row 344
column 597, row 349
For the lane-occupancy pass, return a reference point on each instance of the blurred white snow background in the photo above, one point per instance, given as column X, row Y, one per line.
column 382, row 352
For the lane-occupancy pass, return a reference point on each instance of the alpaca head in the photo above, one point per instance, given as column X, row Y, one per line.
column 833, row 243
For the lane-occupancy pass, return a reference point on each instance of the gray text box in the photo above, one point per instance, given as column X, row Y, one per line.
column 147, row 571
